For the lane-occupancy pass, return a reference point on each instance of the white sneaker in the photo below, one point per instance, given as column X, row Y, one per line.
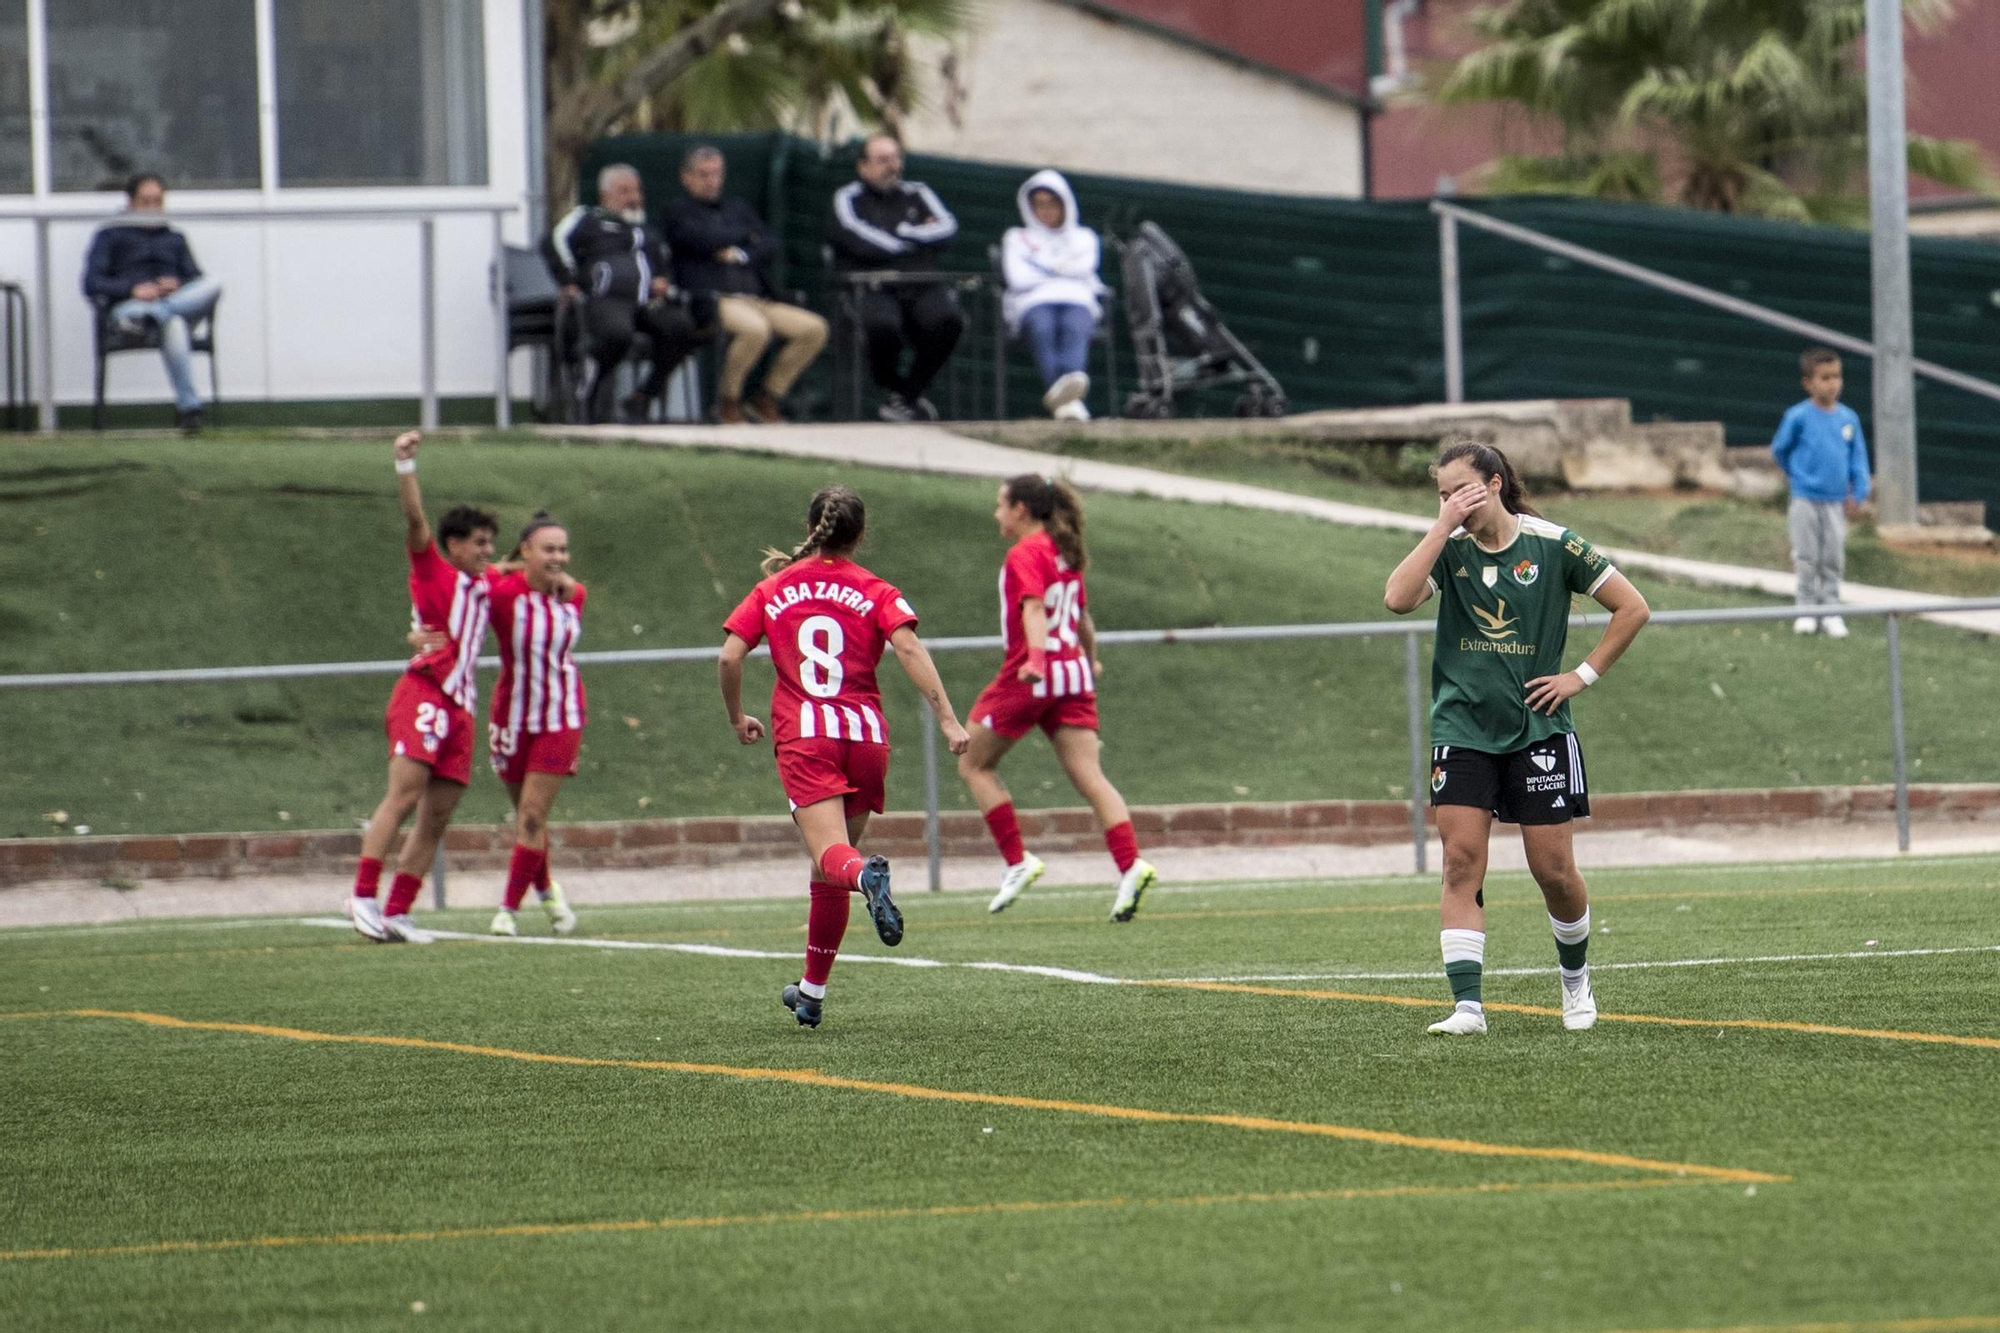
column 1460, row 1023
column 1075, row 411
column 1806, row 625
column 402, row 930
column 1017, row 879
column 1579, row 1005
column 1835, row 627
column 1132, row 886
column 366, row 914
column 503, row 923
column 1066, row 390
column 561, row 919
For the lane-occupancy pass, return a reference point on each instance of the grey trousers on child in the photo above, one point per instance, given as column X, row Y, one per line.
column 1819, row 549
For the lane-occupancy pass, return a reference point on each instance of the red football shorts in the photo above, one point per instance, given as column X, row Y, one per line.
column 519, row 753
column 812, row 770
column 1009, row 708
column 424, row 725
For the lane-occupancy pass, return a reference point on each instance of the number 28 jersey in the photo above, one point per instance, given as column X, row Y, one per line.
column 828, row 621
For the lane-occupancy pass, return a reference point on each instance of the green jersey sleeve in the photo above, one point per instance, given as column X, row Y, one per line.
column 1438, row 567
column 1585, row 568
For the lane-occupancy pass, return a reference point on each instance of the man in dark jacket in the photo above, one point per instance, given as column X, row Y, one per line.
column 721, row 249
column 882, row 221
column 609, row 257
column 143, row 270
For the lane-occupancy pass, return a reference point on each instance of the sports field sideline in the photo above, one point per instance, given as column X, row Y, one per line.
column 1224, row 1112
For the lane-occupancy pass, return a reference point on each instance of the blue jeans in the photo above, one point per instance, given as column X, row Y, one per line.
column 174, row 312
column 1059, row 338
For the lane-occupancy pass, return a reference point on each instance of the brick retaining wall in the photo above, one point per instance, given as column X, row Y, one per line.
column 715, row 841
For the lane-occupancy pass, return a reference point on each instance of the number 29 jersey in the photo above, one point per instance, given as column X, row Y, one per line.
column 1035, row 569
column 828, row 621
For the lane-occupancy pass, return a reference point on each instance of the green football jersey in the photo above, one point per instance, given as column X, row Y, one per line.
column 1502, row 621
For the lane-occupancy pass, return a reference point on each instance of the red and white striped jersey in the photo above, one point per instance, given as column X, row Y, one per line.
column 540, row 689
column 1034, row 568
column 828, row 621
column 446, row 599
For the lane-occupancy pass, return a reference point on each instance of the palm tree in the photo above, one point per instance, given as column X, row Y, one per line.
column 1738, row 106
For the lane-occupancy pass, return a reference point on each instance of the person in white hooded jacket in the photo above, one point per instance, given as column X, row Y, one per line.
column 1052, row 301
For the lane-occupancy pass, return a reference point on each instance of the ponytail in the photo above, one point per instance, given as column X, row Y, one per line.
column 1059, row 509
column 835, row 521
column 1488, row 462
column 536, row 522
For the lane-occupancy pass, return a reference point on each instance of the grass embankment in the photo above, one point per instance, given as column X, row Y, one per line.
column 162, row 554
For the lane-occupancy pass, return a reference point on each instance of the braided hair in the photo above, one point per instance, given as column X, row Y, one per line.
column 835, row 521
column 1058, row 508
column 1489, row 463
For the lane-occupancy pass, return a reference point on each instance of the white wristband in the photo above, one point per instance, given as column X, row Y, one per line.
column 405, row 466
column 1586, row 674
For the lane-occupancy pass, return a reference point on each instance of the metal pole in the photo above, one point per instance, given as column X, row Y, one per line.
column 1889, row 267
column 1454, row 331
column 45, row 325
column 437, row 877
column 931, row 838
column 427, row 416
column 1896, row 737
column 1414, row 695
column 503, row 405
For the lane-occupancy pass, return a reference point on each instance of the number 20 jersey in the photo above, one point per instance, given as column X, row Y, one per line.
column 828, row 621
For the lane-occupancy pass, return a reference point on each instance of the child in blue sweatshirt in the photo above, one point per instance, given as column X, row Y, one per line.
column 1820, row 446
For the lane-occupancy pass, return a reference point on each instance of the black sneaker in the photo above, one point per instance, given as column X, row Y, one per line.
column 925, row 410
column 188, row 422
column 896, row 408
column 882, row 909
column 803, row 1006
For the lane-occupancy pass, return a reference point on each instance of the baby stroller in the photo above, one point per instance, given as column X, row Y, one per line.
column 1181, row 344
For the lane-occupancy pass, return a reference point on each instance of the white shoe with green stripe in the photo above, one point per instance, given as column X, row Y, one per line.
column 1132, row 886
column 561, row 919
column 1016, row 881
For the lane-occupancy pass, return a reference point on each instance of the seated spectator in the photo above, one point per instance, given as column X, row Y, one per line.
column 609, row 258
column 1050, row 265
column 143, row 270
column 882, row 221
column 721, row 249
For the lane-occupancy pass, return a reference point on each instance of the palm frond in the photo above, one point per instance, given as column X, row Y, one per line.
column 1954, row 162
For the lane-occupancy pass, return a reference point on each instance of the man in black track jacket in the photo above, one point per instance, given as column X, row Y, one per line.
column 610, row 257
column 881, row 221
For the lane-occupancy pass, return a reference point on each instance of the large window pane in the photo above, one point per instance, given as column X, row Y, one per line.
column 153, row 85
column 381, row 92
column 16, row 170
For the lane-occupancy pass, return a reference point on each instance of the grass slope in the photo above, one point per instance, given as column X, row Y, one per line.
column 163, row 554
column 823, row 1206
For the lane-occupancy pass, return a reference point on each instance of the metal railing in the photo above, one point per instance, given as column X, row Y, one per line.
column 1410, row 631
column 1450, row 215
column 424, row 215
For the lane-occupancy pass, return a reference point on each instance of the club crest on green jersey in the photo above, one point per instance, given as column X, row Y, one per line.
column 1527, row 572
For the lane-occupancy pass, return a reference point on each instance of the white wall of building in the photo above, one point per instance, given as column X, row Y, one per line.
column 1047, row 83
column 312, row 309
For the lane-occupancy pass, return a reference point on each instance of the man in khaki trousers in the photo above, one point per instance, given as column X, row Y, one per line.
column 721, row 248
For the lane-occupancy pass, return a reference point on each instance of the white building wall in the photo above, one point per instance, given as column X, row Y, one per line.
column 312, row 309
column 1049, row 84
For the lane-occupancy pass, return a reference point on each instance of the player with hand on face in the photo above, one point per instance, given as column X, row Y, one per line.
column 1503, row 746
column 430, row 719
column 828, row 621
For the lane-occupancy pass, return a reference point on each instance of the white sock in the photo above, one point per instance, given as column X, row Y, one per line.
column 811, row 989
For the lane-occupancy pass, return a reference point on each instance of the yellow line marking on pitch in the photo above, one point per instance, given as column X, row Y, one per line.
column 1760, row 1024
column 829, row 1215
column 815, row 1078
column 1949, row 1324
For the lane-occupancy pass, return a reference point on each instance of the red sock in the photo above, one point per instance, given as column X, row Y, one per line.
column 841, row 865
column 402, row 893
column 1006, row 832
column 826, row 924
column 521, row 873
column 1123, row 844
column 542, row 876
column 367, row 877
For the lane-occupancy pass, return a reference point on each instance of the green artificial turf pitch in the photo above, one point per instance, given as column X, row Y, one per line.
column 970, row 1147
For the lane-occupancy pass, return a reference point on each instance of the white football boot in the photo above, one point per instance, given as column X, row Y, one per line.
column 1016, row 881
column 402, row 930
column 366, row 914
column 1132, row 886
column 1579, row 1005
column 1461, row 1023
column 561, row 919
column 503, row 923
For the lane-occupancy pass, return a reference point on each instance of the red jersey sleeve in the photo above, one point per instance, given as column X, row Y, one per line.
column 578, row 594
column 746, row 622
column 1030, row 568
column 892, row 610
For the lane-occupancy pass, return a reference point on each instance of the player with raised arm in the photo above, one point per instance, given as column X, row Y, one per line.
column 1048, row 679
column 1502, row 742
column 430, row 718
column 538, row 707
column 828, row 621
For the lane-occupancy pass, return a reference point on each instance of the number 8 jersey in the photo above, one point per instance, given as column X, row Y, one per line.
column 828, row 621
